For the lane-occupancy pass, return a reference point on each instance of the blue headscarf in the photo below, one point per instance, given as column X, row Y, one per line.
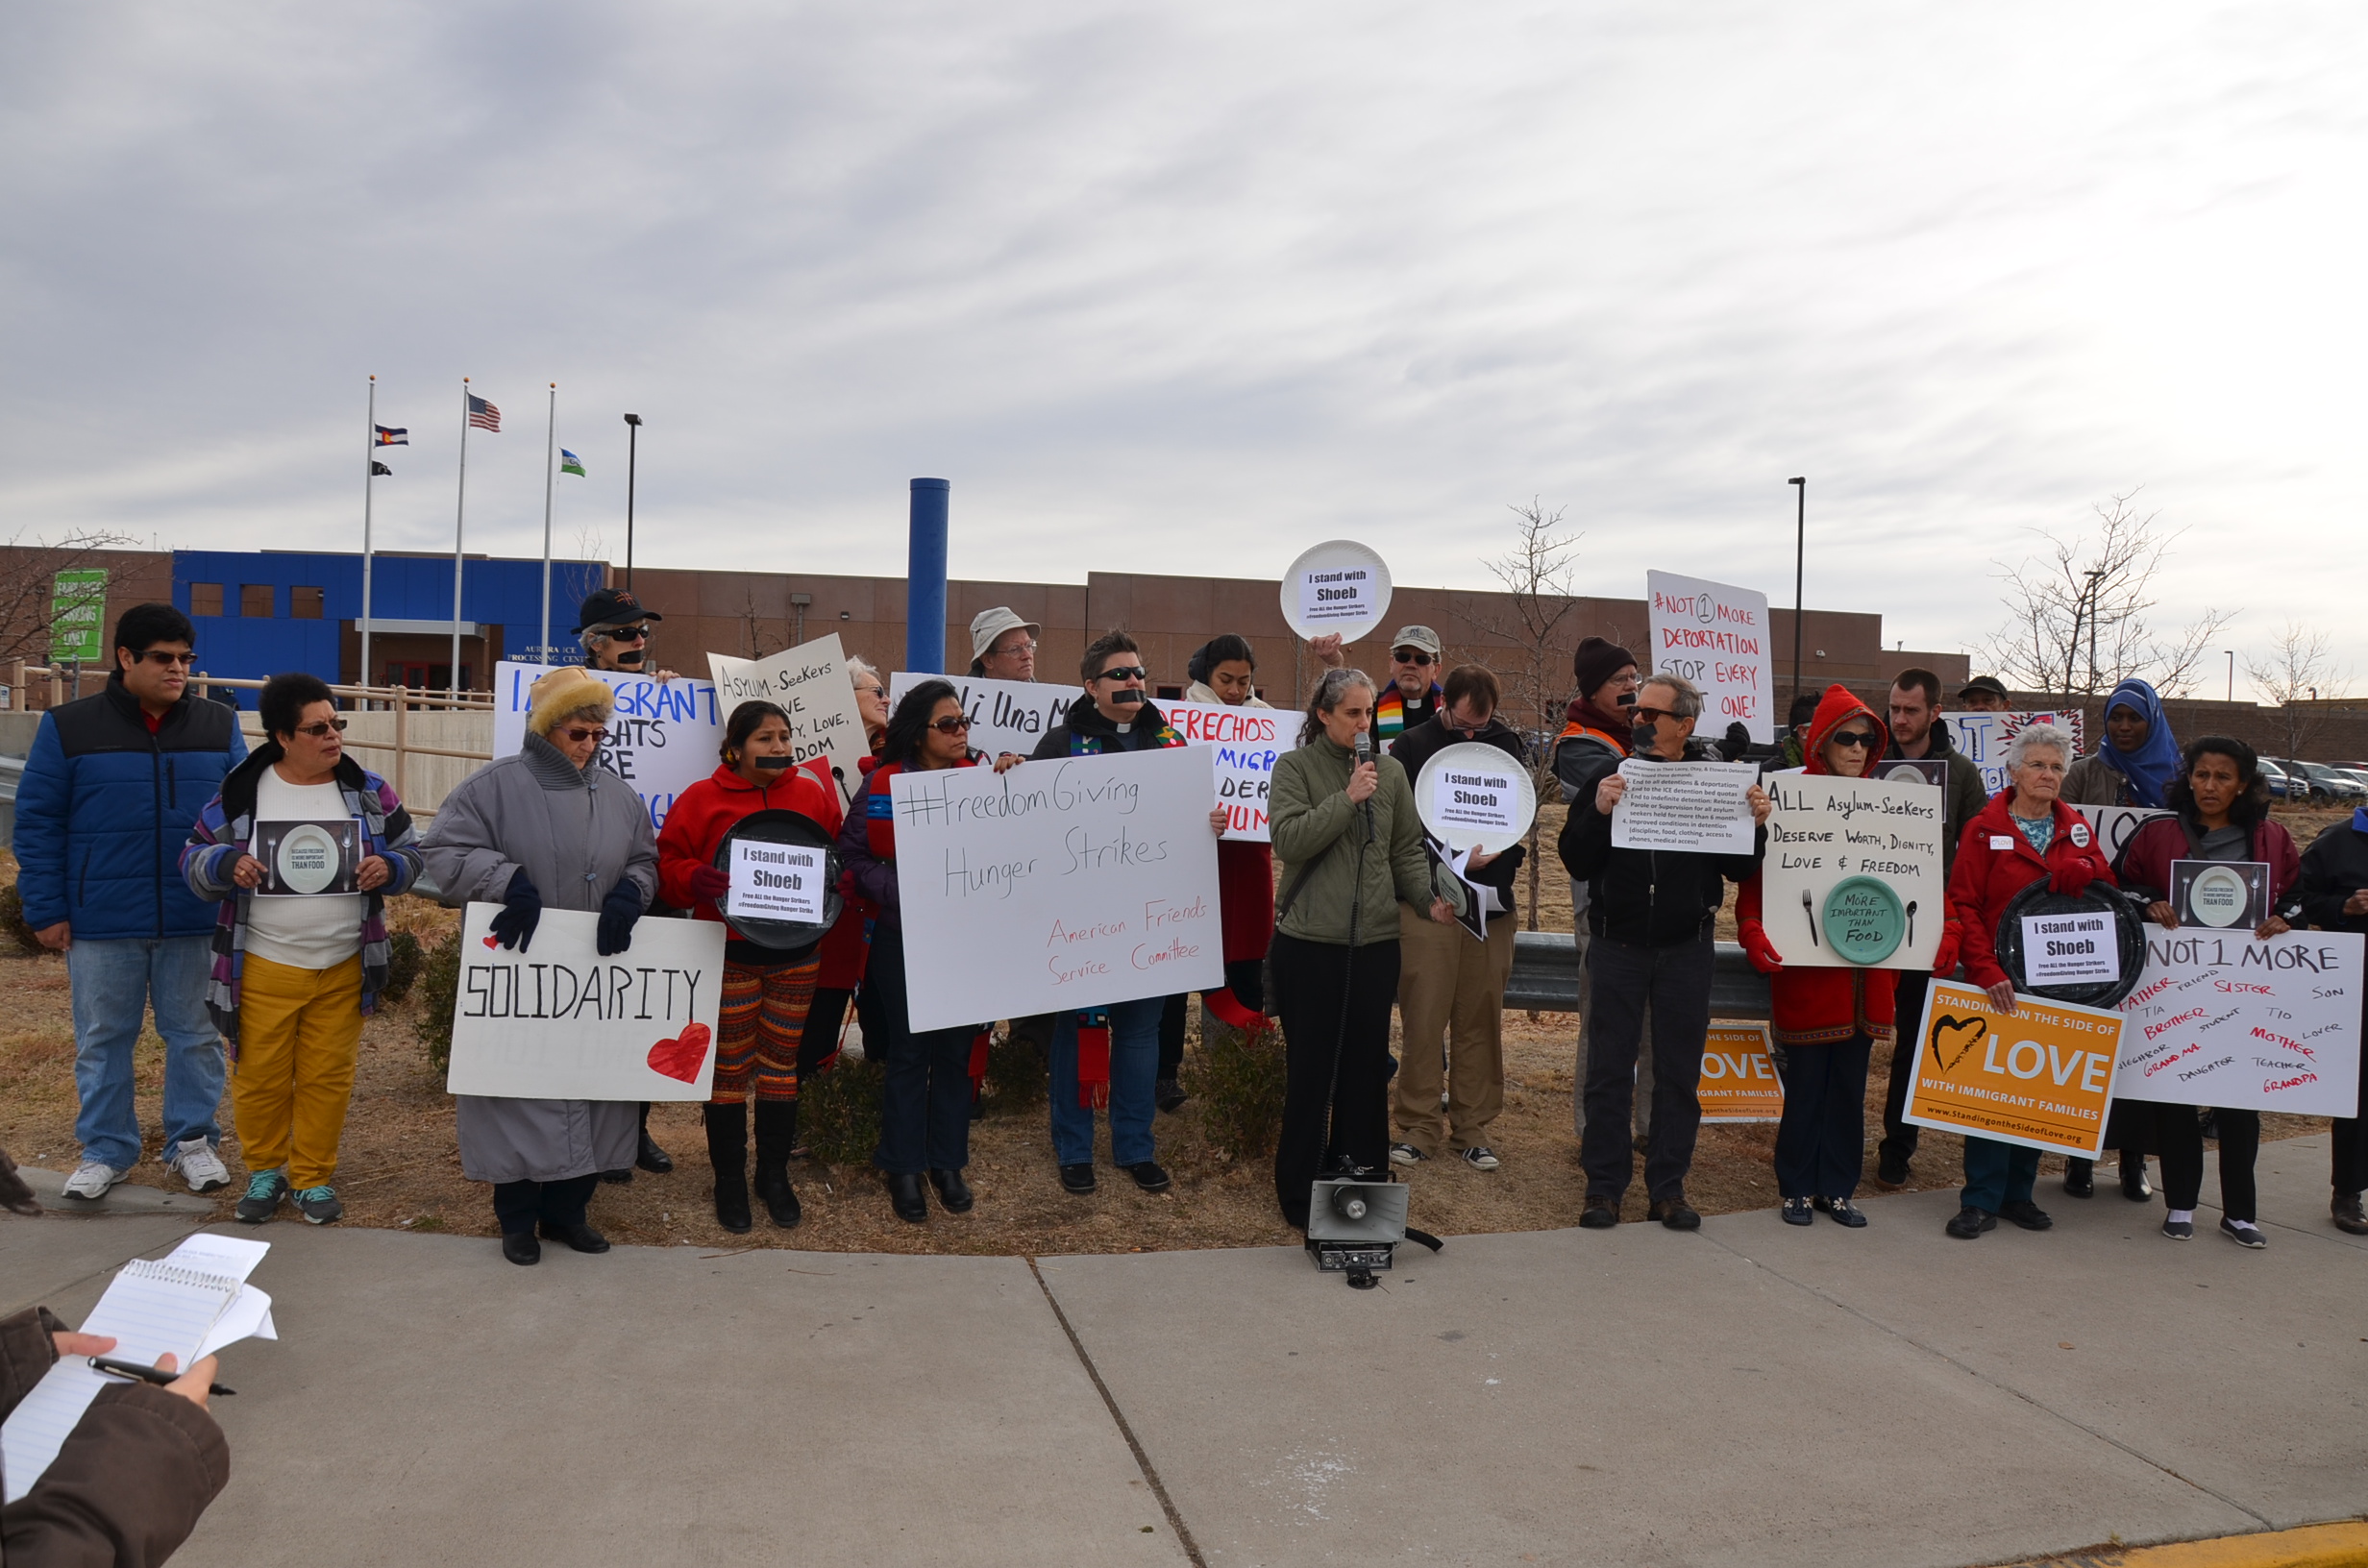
column 2151, row 767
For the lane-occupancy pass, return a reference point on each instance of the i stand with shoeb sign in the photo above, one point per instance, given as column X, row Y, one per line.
column 1338, row 587
column 1474, row 799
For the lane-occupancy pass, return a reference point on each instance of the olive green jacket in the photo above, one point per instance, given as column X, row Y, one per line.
column 1312, row 822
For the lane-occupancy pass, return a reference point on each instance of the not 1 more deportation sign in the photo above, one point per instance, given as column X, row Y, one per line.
column 662, row 739
column 2224, row 1018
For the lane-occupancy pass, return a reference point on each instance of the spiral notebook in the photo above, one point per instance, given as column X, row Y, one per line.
column 175, row 1305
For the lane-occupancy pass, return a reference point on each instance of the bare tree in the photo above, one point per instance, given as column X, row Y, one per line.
column 751, row 627
column 1537, row 575
column 28, row 578
column 2077, row 612
column 2298, row 667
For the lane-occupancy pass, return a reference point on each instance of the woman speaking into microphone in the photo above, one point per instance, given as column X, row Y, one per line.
column 1343, row 825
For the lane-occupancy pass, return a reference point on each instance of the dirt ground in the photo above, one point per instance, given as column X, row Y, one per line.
column 400, row 1166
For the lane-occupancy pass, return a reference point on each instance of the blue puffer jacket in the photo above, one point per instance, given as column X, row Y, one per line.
column 105, row 808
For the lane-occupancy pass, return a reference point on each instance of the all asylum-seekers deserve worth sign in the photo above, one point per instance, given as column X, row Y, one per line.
column 809, row 683
column 1825, row 830
column 1717, row 636
column 1060, row 885
column 2220, row 1018
column 662, row 739
column 559, row 1021
column 1243, row 743
column 2040, row 1076
column 1005, row 715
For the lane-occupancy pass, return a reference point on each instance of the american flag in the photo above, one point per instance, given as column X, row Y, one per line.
column 483, row 415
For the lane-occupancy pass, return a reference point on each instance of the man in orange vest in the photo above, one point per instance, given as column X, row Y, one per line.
column 1595, row 741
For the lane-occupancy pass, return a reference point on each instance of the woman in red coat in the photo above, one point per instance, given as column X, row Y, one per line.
column 765, row 996
column 2024, row 834
column 2221, row 806
column 1826, row 1021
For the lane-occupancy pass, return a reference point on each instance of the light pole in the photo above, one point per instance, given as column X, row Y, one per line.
column 2231, row 653
column 1800, row 556
column 632, row 452
column 2096, row 580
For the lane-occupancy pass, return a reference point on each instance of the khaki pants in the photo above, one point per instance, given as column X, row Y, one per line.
column 298, row 1032
column 1450, row 1000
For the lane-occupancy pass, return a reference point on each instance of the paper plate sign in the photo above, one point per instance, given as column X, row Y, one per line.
column 2221, row 894
column 1338, row 586
column 303, row 858
column 1475, row 797
column 1865, row 920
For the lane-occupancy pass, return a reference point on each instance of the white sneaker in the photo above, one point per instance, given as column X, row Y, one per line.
column 91, row 1179
column 199, row 1165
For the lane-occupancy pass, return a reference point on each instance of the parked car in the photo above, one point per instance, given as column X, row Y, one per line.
column 2357, row 775
column 2328, row 783
column 2281, row 788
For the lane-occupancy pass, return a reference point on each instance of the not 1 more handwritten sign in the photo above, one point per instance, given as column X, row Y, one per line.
column 1693, row 807
column 1060, row 885
column 1715, row 635
column 2220, row 1018
column 1983, row 738
column 662, row 739
column 810, row 683
column 559, row 1021
column 1739, row 1082
column 1823, row 831
column 1243, row 743
column 2040, row 1076
column 1005, row 715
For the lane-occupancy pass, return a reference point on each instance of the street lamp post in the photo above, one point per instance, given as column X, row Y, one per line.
column 2231, row 653
column 632, row 454
column 1800, row 556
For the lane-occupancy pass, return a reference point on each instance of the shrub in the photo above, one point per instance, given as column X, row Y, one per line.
column 1237, row 1079
column 404, row 957
column 12, row 920
column 439, row 993
column 1019, row 1070
column 838, row 1113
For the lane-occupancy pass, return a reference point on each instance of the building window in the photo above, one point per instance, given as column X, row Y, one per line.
column 255, row 600
column 204, row 599
column 304, row 604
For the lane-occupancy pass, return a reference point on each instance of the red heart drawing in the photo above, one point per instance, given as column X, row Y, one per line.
column 493, row 942
column 680, row 1057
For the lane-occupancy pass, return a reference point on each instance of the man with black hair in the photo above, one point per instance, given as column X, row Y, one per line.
column 109, row 791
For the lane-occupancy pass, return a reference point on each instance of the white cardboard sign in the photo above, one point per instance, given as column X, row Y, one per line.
column 1824, row 829
column 1693, row 807
column 557, row 1021
column 662, row 739
column 810, row 683
column 1338, row 586
column 2082, row 947
column 1005, row 715
column 2222, row 1018
column 1060, row 885
column 1717, row 636
column 776, row 881
column 1983, row 738
column 1244, row 742
column 2116, row 826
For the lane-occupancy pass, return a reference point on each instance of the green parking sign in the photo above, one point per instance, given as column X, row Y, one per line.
column 77, row 616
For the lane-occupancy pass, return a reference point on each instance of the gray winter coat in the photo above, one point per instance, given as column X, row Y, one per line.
column 575, row 833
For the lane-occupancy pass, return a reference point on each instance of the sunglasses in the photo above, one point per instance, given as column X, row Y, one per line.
column 1857, row 739
column 1652, row 716
column 577, row 733
column 627, row 634
column 1414, row 655
column 870, row 691
column 165, row 661
column 956, row 724
column 334, row 727
column 1125, row 671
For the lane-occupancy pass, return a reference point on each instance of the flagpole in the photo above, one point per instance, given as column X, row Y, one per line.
column 551, row 445
column 460, row 509
column 369, row 478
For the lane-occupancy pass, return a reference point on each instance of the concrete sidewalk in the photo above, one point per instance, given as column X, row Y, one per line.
column 1753, row 1394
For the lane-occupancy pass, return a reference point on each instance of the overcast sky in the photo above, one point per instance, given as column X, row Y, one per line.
column 1185, row 288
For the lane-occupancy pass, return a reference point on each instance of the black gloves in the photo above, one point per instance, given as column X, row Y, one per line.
column 521, row 910
column 618, row 913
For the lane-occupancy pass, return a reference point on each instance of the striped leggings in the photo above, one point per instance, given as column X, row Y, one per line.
column 763, row 1017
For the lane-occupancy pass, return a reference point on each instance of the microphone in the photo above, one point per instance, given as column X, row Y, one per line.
column 1365, row 754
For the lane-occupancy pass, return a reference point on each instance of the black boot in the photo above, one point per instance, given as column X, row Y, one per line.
column 727, row 1151
column 777, row 1131
column 652, row 1159
column 2080, row 1177
column 905, row 1197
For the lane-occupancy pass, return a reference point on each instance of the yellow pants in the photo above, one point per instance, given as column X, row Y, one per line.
column 298, row 1032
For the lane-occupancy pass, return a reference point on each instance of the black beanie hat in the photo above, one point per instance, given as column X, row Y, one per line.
column 1597, row 661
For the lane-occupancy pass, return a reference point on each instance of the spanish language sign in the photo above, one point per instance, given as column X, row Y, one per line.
column 1685, row 805
column 2220, row 1018
column 1739, row 1075
column 809, row 682
column 1005, row 715
column 776, row 881
column 1243, row 743
column 662, row 739
column 557, row 1021
column 1338, row 586
column 1066, row 884
column 1825, row 832
column 1983, row 738
column 1717, row 636
column 2040, row 1076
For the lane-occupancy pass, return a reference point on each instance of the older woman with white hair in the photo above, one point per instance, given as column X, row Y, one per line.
column 547, row 826
column 2024, row 834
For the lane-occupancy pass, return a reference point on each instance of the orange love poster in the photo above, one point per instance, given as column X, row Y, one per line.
column 2040, row 1076
column 1739, row 1076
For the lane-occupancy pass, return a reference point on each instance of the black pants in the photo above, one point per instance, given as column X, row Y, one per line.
column 1899, row 1137
column 518, row 1205
column 823, row 1023
column 1310, row 980
column 1241, row 978
column 2179, row 1139
column 924, row 1107
column 2349, row 1146
column 1622, row 980
column 1822, row 1141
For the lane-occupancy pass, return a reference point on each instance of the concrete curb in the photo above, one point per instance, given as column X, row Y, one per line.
column 123, row 1198
column 2343, row 1545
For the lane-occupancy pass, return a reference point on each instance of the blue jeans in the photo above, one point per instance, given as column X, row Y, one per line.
column 1997, row 1174
column 1134, row 1066
column 115, row 984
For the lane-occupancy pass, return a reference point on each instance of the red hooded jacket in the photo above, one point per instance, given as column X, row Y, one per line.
column 701, row 814
column 1822, row 1006
column 1995, row 862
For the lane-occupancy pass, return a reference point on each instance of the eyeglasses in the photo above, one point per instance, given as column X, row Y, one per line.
column 166, row 661
column 869, row 691
column 577, row 733
column 1858, row 740
column 1125, row 671
column 951, row 724
column 1411, row 655
column 1652, row 716
column 334, row 727
column 627, row 634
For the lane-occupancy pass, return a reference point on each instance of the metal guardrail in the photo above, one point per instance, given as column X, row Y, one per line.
column 1546, row 978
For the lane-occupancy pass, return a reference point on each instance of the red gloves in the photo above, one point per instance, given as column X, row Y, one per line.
column 1754, row 938
column 706, row 882
column 1944, row 955
column 2071, row 878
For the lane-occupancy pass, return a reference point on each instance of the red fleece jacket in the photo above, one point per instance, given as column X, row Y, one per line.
column 702, row 814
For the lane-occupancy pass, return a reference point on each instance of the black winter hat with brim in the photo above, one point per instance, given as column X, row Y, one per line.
column 612, row 606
